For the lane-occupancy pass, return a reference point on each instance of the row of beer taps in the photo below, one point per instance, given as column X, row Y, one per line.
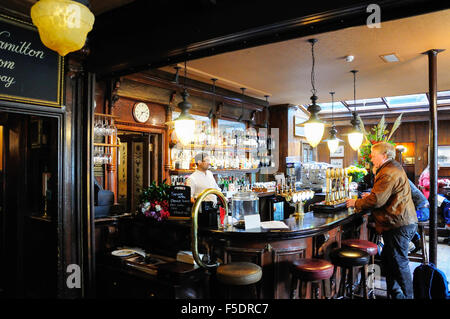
column 292, row 195
column 337, row 186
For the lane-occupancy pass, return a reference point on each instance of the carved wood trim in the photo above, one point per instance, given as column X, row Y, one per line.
column 277, row 253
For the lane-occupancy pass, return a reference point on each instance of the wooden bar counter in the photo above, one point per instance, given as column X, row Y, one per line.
column 313, row 235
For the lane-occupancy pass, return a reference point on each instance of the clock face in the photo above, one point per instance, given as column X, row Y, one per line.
column 141, row 112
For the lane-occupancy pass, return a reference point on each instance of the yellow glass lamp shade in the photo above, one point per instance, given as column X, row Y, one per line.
column 355, row 139
column 314, row 132
column 62, row 24
column 184, row 129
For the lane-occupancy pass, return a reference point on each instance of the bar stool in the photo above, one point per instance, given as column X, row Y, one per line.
column 367, row 246
column 422, row 256
column 312, row 270
column 239, row 274
column 347, row 259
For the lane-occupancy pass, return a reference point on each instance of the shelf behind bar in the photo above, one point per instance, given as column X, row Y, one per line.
column 106, row 144
column 188, row 171
column 106, row 115
column 217, row 148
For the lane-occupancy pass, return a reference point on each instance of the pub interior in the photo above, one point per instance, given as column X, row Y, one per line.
column 103, row 147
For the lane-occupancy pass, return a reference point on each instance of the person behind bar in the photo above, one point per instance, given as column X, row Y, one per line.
column 202, row 178
column 395, row 218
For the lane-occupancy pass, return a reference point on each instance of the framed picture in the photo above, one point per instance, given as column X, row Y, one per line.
column 339, row 152
column 337, row 162
column 444, row 155
column 299, row 130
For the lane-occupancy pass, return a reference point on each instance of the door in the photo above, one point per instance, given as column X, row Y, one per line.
column 28, row 212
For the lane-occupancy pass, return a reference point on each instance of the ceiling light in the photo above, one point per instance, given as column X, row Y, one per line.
column 349, row 58
column 62, row 24
column 333, row 141
column 185, row 123
column 390, row 58
column 355, row 137
column 314, row 127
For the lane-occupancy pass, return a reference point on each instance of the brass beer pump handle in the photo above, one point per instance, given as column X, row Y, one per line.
column 194, row 221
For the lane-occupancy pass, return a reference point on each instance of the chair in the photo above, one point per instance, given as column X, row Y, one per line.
column 234, row 273
column 310, row 270
column 347, row 259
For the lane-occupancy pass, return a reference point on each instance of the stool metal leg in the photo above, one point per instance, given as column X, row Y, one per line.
column 294, row 283
column 364, row 281
column 350, row 284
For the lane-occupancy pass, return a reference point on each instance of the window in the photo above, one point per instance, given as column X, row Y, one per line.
column 407, row 100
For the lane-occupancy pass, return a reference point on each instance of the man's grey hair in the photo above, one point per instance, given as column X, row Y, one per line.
column 200, row 157
column 385, row 148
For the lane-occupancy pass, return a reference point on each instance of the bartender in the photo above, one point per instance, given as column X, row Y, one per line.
column 200, row 180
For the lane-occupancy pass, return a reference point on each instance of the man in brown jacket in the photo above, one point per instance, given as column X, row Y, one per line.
column 395, row 218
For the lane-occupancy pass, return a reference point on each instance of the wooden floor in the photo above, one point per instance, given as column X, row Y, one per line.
column 443, row 263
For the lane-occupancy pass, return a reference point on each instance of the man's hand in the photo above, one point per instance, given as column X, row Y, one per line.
column 351, row 202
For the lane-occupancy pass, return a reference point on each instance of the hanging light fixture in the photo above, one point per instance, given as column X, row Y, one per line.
column 333, row 141
column 314, row 127
column 355, row 137
column 62, row 24
column 185, row 123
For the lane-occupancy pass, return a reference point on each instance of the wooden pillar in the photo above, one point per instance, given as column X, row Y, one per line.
column 433, row 142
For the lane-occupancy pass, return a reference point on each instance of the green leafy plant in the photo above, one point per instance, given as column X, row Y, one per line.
column 378, row 134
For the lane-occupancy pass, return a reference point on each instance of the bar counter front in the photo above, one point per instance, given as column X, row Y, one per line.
column 310, row 235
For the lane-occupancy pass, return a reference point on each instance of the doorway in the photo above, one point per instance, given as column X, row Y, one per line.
column 139, row 163
column 28, row 206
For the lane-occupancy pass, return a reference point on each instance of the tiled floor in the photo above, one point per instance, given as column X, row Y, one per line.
column 443, row 263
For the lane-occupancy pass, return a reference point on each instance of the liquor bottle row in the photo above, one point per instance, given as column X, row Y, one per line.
column 249, row 138
column 184, row 160
column 233, row 184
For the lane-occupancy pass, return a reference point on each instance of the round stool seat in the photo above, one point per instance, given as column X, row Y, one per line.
column 311, row 269
column 369, row 247
column 349, row 257
column 239, row 273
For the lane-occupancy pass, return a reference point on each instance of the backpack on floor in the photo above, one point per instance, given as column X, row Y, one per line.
column 430, row 283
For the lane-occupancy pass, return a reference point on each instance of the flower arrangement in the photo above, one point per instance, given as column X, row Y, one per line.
column 356, row 172
column 154, row 201
column 379, row 134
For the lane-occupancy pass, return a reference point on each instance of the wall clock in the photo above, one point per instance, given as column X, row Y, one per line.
column 141, row 112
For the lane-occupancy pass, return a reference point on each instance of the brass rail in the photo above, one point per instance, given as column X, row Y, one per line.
column 194, row 221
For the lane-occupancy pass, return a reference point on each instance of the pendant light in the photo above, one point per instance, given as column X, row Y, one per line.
column 185, row 123
column 314, row 127
column 62, row 24
column 333, row 141
column 355, row 137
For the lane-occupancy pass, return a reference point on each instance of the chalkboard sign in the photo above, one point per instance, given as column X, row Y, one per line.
column 29, row 71
column 180, row 201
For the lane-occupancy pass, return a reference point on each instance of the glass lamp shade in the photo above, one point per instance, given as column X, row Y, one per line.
column 314, row 132
column 62, row 24
column 333, row 145
column 184, row 129
column 355, row 139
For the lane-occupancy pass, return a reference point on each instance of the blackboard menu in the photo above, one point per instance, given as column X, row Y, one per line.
column 29, row 71
column 180, row 201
